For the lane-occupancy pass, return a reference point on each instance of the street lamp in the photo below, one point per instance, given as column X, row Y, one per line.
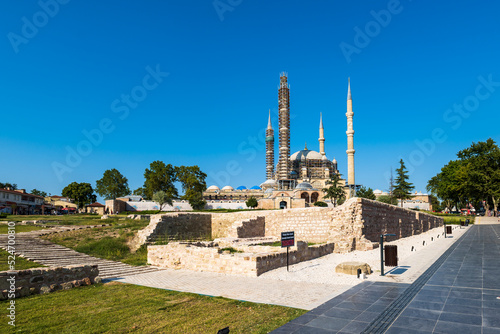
column 382, row 251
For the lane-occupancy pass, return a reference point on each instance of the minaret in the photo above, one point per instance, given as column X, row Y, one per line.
column 284, row 128
column 321, row 136
column 350, row 138
column 269, row 149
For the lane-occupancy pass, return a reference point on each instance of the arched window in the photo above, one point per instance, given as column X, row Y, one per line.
column 314, row 197
column 305, row 196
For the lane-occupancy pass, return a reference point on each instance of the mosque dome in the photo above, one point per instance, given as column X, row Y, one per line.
column 241, row 188
column 268, row 184
column 334, row 160
column 304, row 186
column 213, row 188
column 256, row 188
column 306, row 154
column 227, row 188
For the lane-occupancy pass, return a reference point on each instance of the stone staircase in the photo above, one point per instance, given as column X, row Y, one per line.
column 29, row 246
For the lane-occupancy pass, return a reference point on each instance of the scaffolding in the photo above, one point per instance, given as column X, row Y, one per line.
column 283, row 171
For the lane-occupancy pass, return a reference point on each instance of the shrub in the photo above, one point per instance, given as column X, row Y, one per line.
column 321, row 204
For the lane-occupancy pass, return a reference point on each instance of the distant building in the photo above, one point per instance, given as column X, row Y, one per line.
column 59, row 203
column 137, row 203
column 95, row 208
column 20, row 202
column 417, row 201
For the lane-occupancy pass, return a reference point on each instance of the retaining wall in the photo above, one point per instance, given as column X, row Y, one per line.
column 45, row 280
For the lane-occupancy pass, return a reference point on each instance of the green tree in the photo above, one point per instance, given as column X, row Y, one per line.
column 139, row 192
column 112, row 185
column 162, row 198
column 364, row 192
column 81, row 193
column 13, row 186
column 473, row 178
column 402, row 188
column 160, row 177
column 449, row 185
column 436, row 205
column 252, row 202
column 38, row 193
column 387, row 199
column 193, row 184
column 335, row 191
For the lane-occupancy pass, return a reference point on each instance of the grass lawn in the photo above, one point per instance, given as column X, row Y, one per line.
column 124, row 308
column 21, row 263
column 76, row 219
column 20, row 228
column 108, row 242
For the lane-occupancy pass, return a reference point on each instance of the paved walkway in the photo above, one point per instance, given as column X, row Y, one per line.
column 29, row 246
column 282, row 289
column 459, row 293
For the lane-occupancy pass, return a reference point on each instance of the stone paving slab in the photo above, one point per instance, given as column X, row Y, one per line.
column 459, row 293
column 292, row 294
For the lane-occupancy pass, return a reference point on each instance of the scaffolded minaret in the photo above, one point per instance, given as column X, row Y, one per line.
column 284, row 130
column 321, row 136
column 350, row 138
column 269, row 150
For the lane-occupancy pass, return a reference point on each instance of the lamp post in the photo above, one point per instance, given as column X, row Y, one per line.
column 382, row 251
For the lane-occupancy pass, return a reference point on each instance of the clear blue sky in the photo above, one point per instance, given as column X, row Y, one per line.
column 217, row 71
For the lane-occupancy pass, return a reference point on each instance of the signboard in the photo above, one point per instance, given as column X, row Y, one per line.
column 287, row 239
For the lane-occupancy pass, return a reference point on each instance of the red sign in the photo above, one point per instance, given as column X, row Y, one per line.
column 287, row 239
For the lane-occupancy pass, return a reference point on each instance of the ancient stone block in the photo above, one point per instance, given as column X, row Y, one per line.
column 351, row 268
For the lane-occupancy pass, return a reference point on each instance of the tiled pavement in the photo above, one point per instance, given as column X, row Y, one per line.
column 458, row 294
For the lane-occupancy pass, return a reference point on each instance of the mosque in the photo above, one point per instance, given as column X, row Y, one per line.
column 297, row 180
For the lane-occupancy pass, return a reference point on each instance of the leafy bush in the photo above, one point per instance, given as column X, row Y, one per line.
column 321, row 204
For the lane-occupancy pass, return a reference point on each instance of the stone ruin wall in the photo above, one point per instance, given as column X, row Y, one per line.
column 355, row 225
column 379, row 218
column 187, row 225
column 45, row 280
column 178, row 255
